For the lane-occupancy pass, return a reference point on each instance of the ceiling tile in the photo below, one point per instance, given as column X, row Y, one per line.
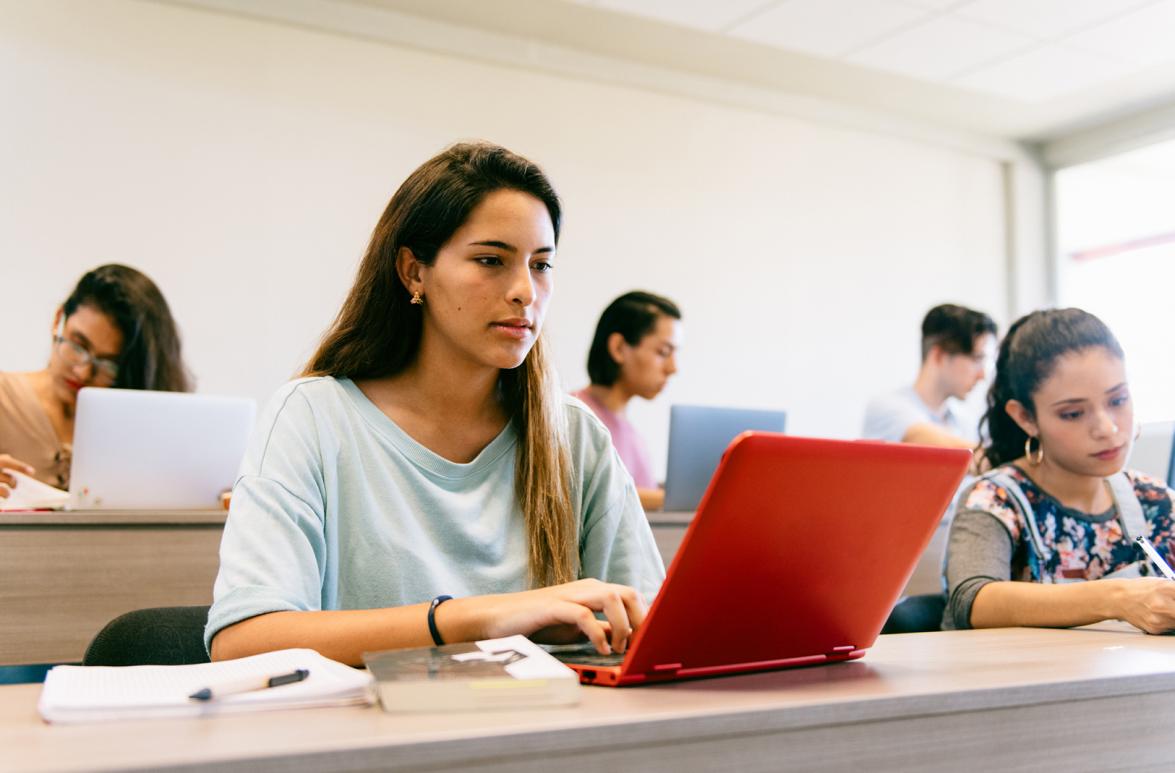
column 1144, row 36
column 1045, row 73
column 700, row 14
column 1047, row 18
column 826, row 27
column 941, row 48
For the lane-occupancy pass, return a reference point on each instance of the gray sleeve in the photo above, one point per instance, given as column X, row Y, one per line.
column 979, row 551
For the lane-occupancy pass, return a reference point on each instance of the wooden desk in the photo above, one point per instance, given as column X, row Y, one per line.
column 63, row 575
column 967, row 700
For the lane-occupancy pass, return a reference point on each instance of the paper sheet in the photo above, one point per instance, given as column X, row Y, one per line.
column 32, row 494
column 80, row 693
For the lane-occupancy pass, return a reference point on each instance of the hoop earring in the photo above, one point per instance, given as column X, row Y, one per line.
column 417, row 299
column 1033, row 458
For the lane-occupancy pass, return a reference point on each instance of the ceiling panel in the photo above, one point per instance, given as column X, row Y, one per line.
column 1144, row 36
column 1045, row 73
column 942, row 48
column 700, row 14
column 1047, row 18
column 1029, row 69
column 827, row 27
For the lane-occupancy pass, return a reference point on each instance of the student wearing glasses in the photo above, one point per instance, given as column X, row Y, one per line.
column 426, row 481
column 633, row 354
column 956, row 344
column 114, row 330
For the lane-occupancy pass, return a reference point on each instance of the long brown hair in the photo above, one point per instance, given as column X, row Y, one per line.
column 377, row 334
column 151, row 356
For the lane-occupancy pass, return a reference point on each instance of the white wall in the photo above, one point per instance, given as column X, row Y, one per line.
column 242, row 164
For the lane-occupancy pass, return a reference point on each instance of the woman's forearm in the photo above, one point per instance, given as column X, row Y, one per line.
column 1006, row 604
column 557, row 613
column 344, row 635
column 651, row 498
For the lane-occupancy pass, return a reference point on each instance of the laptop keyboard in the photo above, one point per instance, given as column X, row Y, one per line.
column 582, row 657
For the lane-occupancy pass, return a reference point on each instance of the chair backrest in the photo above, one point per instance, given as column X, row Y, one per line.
column 1152, row 452
column 916, row 614
column 163, row 636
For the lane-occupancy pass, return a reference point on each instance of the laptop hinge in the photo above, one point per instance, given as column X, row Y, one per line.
column 667, row 667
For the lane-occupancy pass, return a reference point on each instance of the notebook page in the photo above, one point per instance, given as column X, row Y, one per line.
column 107, row 692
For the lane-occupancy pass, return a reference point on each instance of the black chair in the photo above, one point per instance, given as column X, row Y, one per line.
column 162, row 636
column 916, row 614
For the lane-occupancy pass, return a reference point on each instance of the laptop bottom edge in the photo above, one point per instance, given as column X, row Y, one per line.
column 614, row 676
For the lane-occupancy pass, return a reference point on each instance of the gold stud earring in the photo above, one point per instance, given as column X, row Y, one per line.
column 417, row 299
column 1034, row 458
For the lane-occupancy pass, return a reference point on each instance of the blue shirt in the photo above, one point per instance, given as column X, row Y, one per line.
column 336, row 507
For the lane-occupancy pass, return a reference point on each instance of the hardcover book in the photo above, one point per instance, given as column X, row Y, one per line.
column 491, row 674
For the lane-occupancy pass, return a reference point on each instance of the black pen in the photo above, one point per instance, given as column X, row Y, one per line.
column 248, row 685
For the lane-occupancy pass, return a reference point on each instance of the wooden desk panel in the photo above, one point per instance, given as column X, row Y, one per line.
column 966, row 700
column 65, row 575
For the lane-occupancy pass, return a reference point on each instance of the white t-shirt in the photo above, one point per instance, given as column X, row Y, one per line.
column 888, row 416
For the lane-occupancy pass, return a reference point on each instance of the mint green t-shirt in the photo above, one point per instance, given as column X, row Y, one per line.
column 336, row 507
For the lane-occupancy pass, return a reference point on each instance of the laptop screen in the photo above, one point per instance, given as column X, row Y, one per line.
column 698, row 435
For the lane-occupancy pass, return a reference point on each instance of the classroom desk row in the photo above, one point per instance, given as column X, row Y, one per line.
column 1006, row 699
column 65, row 575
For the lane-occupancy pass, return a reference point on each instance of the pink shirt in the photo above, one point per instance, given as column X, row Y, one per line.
column 625, row 440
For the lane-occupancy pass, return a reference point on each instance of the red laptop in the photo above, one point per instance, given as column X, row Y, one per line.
column 796, row 555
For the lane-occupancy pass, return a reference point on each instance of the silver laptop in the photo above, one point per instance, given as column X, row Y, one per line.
column 136, row 449
column 698, row 435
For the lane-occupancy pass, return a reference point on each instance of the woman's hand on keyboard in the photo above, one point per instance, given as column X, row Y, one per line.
column 556, row 614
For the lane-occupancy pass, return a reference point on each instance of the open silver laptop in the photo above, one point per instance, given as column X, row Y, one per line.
column 698, row 434
column 135, row 449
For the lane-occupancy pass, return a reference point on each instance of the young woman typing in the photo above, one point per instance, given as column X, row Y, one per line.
column 427, row 453
column 1058, row 509
column 114, row 330
column 633, row 354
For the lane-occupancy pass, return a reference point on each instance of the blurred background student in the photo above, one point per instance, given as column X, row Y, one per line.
column 633, row 354
column 114, row 330
column 957, row 343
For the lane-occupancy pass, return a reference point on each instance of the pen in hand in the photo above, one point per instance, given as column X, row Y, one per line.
column 1155, row 558
column 248, row 685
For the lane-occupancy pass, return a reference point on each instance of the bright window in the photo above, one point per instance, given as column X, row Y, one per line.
column 1116, row 258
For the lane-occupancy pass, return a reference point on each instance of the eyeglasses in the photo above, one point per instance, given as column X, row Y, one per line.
column 76, row 354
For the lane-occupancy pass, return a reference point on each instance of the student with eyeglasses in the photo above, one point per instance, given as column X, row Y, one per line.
column 114, row 330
